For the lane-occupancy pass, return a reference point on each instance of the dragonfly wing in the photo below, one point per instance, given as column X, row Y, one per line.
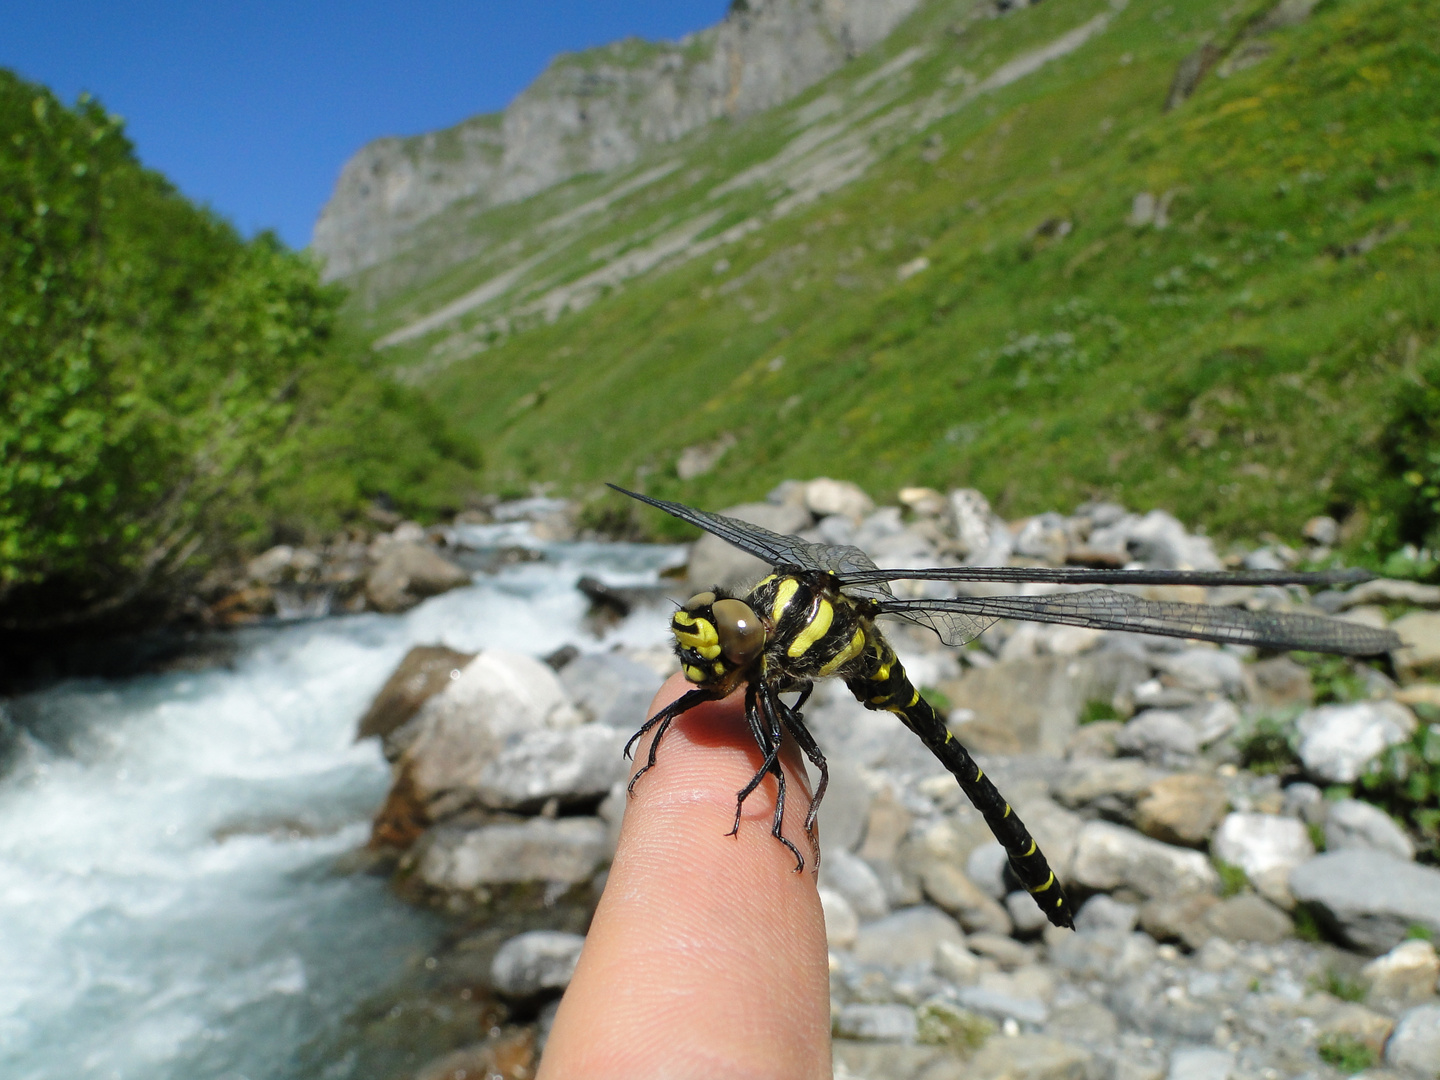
column 1075, row 576
column 1104, row 609
column 778, row 549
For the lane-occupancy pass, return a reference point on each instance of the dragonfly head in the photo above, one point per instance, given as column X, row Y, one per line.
column 716, row 636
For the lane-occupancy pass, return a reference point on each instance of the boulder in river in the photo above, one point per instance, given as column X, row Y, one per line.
column 534, row 962
column 408, row 571
column 455, row 859
column 423, row 673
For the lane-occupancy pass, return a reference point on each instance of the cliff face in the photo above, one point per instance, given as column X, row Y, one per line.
column 593, row 111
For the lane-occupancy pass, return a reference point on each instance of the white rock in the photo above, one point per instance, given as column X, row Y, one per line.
column 881, row 1023
column 853, row 878
column 1352, row 823
column 986, row 868
column 824, row 497
column 1160, row 737
column 1205, row 670
column 1416, row 1042
column 571, row 764
column 1109, row 857
column 536, row 961
column 841, row 922
column 499, row 698
column 1200, row 1063
column 1406, row 975
column 1267, row 847
column 908, row 936
column 566, row 850
column 1339, row 741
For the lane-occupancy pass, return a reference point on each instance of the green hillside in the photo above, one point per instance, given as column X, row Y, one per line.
column 929, row 269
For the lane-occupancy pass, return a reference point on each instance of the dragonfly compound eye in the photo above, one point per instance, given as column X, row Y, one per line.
column 741, row 635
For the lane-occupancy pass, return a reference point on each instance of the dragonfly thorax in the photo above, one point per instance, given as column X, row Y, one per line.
column 794, row 627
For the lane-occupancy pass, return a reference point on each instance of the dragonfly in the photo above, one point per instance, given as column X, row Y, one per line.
column 813, row 616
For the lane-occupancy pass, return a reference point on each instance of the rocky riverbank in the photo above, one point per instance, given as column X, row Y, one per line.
column 1251, row 839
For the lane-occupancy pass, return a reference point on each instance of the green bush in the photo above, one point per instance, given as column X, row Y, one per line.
column 170, row 391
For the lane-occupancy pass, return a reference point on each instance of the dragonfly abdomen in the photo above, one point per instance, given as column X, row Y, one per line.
column 879, row 681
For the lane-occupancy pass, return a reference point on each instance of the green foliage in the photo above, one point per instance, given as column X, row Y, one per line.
column 1233, row 879
column 1342, row 986
column 1266, row 747
column 162, row 380
column 1096, row 709
column 1307, row 927
column 941, row 1023
column 1244, row 366
column 1346, row 1053
column 1417, row 932
column 1335, row 679
column 1411, row 454
column 1404, row 781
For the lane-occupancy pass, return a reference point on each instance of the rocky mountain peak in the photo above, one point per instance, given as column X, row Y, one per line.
column 593, row 111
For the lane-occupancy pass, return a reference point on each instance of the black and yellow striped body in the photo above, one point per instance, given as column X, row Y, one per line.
column 879, row 681
column 813, row 631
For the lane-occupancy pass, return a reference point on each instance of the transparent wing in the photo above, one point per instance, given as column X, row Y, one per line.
column 1076, row 576
column 844, row 562
column 961, row 619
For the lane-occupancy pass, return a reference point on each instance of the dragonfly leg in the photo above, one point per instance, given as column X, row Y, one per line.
column 795, row 724
column 662, row 720
column 771, row 749
column 777, row 733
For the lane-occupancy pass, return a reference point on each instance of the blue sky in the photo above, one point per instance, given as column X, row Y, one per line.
column 253, row 106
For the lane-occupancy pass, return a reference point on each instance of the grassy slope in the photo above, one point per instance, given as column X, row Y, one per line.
column 1229, row 367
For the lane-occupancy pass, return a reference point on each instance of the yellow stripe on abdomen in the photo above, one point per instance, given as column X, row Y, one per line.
column 845, row 655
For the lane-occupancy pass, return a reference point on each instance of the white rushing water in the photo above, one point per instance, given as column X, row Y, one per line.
column 170, row 902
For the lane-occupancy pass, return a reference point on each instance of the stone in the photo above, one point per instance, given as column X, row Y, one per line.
column 1094, row 740
column 1025, row 913
column 823, row 497
column 1034, row 705
column 1279, row 681
column 1029, row 1057
column 1321, row 530
column 1406, row 975
column 908, row 936
column 953, row 892
column 983, row 540
column 1046, row 537
column 852, row 877
column 534, row 962
column 1159, row 736
column 1208, row 671
column 408, row 572
column 1267, row 847
column 610, row 688
column 1212, row 720
column 1005, row 951
column 1109, row 857
column 1248, row 917
column 987, row 867
column 1385, row 591
column 564, row 850
column 571, row 765
column 1104, row 913
column 1181, row 809
column 1416, row 1042
column 1369, row 898
column 1113, row 785
column 1001, row 1005
column 1305, row 801
column 1357, row 1023
column 1419, row 654
column 874, row 1023
column 499, row 699
column 509, row 1054
column 715, row 562
column 1179, row 918
column 958, row 964
column 841, row 923
column 1351, row 823
column 424, row 672
column 853, row 1059
column 1339, row 741
column 1200, row 1063
column 1159, row 540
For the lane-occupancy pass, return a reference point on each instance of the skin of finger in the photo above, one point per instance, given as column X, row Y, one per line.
column 707, row 953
